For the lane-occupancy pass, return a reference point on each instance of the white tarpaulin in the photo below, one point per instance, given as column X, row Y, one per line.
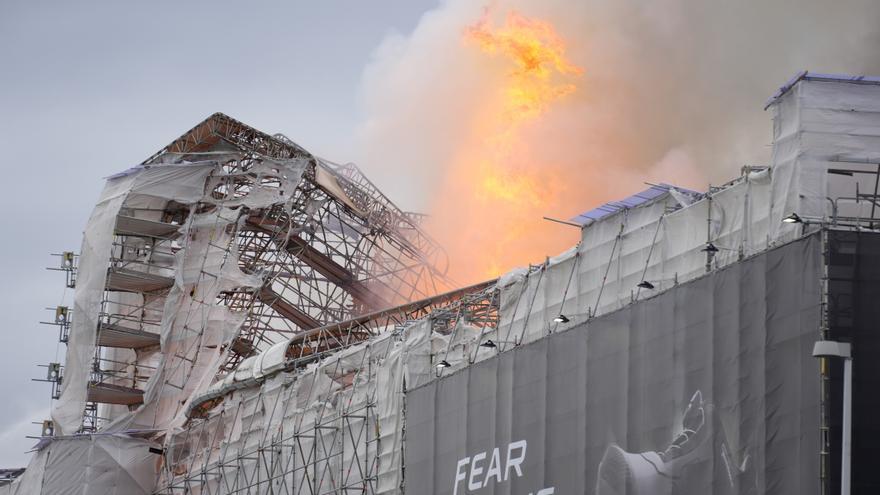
column 205, row 265
column 171, row 182
column 822, row 122
column 90, row 465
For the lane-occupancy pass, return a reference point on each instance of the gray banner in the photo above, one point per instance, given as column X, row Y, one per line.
column 707, row 388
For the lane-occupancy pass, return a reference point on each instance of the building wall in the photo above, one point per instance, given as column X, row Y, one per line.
column 601, row 407
column 853, row 316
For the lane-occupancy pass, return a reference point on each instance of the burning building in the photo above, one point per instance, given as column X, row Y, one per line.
column 249, row 318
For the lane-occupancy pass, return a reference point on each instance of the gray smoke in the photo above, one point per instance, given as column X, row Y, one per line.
column 679, row 83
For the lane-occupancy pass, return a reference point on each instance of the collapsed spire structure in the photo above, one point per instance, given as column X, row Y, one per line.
column 226, row 242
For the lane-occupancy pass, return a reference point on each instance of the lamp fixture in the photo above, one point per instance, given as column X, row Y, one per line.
column 561, row 318
column 710, row 248
column 793, row 218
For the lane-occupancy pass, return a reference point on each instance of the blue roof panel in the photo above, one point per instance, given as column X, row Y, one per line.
column 636, row 199
column 815, row 76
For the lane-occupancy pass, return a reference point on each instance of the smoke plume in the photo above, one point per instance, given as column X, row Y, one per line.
column 664, row 90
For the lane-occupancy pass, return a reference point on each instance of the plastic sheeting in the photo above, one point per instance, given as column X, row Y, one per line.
column 179, row 183
column 328, row 182
column 193, row 327
column 90, row 464
column 709, row 387
column 822, row 122
column 654, row 242
column 334, row 425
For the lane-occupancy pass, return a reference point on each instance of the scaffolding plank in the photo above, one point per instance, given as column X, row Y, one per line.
column 105, row 393
column 110, row 335
column 125, row 280
column 126, row 225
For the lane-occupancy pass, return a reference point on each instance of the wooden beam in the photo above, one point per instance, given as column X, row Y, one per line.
column 323, row 264
column 287, row 310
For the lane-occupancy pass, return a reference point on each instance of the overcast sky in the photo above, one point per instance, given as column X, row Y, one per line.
column 91, row 88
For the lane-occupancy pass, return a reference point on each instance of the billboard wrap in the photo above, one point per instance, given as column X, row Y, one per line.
column 709, row 387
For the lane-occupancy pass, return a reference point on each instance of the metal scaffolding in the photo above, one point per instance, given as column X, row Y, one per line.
column 339, row 267
column 319, row 429
column 327, row 256
column 334, row 249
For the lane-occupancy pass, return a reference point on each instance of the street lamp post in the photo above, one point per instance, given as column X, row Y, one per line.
column 831, row 348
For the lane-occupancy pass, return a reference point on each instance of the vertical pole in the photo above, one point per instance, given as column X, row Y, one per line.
column 824, row 378
column 846, row 455
column 709, row 254
column 874, row 198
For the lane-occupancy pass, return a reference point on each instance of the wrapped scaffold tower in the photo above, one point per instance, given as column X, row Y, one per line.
column 222, row 245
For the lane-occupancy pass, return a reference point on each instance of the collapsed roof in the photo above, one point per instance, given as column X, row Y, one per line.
column 224, row 243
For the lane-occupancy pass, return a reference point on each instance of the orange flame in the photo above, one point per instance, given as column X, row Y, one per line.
column 489, row 214
column 538, row 52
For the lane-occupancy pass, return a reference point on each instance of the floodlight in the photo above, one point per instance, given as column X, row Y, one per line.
column 793, row 218
column 831, row 348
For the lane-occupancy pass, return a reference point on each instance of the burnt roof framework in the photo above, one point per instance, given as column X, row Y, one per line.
column 332, row 250
column 327, row 257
